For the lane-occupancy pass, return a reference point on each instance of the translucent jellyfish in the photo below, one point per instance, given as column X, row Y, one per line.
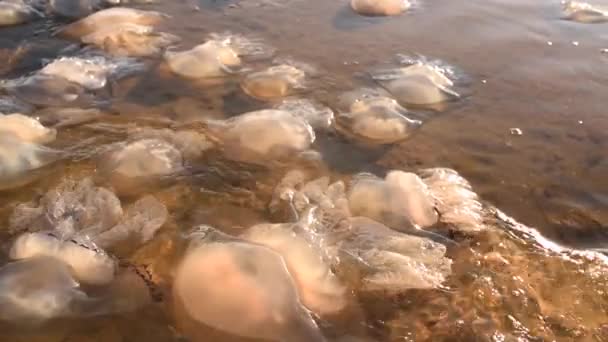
column 47, row 90
column 320, row 290
column 457, row 203
column 109, row 18
column 276, row 81
column 19, row 158
column 417, row 84
column 67, row 117
column 190, row 143
column 378, row 119
column 91, row 73
column 26, row 129
column 15, row 13
column 318, row 116
column 379, row 7
column 401, row 201
column 88, row 263
column 37, row 289
column 215, row 58
column 583, row 12
column 221, row 278
column 394, row 261
column 128, row 39
column 265, row 133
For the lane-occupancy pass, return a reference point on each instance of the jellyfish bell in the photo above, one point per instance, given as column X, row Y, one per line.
column 264, row 134
column 315, row 114
column 221, row 277
column 26, row 129
column 274, row 82
column 48, row 90
column 111, row 17
column 87, row 73
column 16, row 13
column 378, row 120
column 401, row 201
column 128, row 39
column 379, row 7
column 214, row 58
column 583, row 12
column 89, row 264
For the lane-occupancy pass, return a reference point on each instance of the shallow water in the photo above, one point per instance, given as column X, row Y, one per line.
column 518, row 66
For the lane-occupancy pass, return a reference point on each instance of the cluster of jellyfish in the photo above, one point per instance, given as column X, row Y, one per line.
column 278, row 279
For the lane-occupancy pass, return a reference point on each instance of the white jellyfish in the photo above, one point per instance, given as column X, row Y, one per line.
column 401, row 201
column 458, row 205
column 18, row 158
column 215, row 58
column 319, row 288
column 88, row 263
column 26, row 129
column 128, row 39
column 47, row 90
column 111, row 17
column 15, row 13
column 417, row 84
column 221, row 278
column 37, row 289
column 265, row 133
column 379, row 7
column 583, row 12
column 274, row 82
column 377, row 119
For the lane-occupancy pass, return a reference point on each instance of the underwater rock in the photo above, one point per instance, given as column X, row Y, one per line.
column 128, row 39
column 379, row 7
column 417, row 84
column 46, row 90
column 15, row 13
column 276, row 81
column 379, row 119
column 109, row 18
column 264, row 134
column 401, row 201
column 88, row 263
column 222, row 277
column 214, row 58
column 583, row 12
column 26, row 129
column 319, row 288
column 37, row 289
column 458, row 205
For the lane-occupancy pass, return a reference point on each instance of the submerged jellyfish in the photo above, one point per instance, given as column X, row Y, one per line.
column 318, row 116
column 18, row 158
column 88, row 263
column 377, row 119
column 15, row 13
column 320, row 290
column 221, row 277
column 47, row 90
column 215, row 58
column 37, row 289
column 417, row 84
column 274, row 82
column 379, row 7
column 128, row 39
column 583, row 12
column 67, row 117
column 401, row 201
column 26, row 129
column 112, row 17
column 265, row 133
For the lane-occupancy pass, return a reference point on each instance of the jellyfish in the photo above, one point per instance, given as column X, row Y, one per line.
column 583, row 12
column 37, row 289
column 379, row 119
column 319, row 288
column 317, row 115
column 88, row 263
column 379, row 7
column 265, row 133
column 48, row 90
column 111, row 17
column 26, row 129
column 401, row 201
column 67, row 117
column 214, row 58
column 16, row 13
column 274, row 82
column 222, row 277
column 417, row 84
column 18, row 158
column 128, row 39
